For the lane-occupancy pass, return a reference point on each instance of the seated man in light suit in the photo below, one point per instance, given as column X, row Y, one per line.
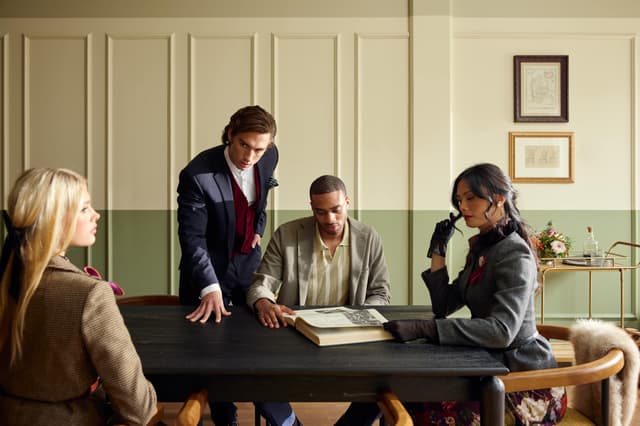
column 327, row 259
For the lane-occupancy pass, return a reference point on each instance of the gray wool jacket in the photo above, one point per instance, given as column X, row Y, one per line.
column 498, row 286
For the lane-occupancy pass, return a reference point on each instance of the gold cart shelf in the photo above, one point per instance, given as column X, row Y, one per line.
column 610, row 262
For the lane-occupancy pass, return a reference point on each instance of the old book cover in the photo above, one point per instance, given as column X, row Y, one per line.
column 339, row 325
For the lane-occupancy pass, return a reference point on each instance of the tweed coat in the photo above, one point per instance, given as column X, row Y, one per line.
column 73, row 333
column 286, row 265
column 497, row 285
column 207, row 220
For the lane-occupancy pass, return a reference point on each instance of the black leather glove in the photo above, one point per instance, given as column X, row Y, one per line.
column 441, row 235
column 404, row 330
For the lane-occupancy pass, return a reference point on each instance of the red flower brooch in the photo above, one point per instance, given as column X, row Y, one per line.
column 477, row 273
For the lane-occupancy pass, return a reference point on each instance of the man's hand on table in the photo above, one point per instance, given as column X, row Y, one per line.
column 271, row 314
column 210, row 302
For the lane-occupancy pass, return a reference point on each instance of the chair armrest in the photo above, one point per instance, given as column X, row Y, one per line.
column 580, row 374
column 393, row 411
column 191, row 411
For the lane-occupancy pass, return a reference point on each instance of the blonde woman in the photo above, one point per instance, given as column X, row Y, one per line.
column 60, row 329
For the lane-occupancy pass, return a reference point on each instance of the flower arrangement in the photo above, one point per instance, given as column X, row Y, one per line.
column 551, row 243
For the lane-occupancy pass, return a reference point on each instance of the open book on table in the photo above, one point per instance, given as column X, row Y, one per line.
column 339, row 325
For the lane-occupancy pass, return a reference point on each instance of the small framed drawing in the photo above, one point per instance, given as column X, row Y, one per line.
column 541, row 87
column 541, row 157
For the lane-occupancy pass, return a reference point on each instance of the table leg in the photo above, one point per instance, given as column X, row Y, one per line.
column 621, row 298
column 542, row 299
column 492, row 404
column 590, row 293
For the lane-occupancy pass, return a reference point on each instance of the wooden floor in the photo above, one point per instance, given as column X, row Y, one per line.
column 311, row 414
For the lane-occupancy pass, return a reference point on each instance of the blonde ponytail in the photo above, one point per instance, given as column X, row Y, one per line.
column 43, row 209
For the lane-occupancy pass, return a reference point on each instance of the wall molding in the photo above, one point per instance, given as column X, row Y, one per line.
column 359, row 38
column 110, row 39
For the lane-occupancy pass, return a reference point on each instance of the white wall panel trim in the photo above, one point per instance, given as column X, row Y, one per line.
column 193, row 38
column 635, row 158
column 88, row 128
column 544, row 35
column 171, row 184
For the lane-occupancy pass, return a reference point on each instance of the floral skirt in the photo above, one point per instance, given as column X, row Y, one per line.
column 538, row 407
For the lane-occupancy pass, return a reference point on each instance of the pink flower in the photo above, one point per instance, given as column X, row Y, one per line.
column 558, row 247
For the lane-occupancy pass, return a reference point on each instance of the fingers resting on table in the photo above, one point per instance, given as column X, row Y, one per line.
column 211, row 303
column 271, row 314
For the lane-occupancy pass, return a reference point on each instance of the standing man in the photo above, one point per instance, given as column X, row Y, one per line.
column 326, row 259
column 222, row 196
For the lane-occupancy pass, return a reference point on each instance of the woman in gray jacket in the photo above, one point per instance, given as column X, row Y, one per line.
column 497, row 284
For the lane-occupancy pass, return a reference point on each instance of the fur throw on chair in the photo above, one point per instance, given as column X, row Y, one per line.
column 591, row 340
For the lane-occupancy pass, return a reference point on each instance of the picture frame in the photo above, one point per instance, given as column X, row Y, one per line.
column 541, row 157
column 541, row 88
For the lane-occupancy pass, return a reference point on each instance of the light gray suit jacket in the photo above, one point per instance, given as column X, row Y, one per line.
column 286, row 265
column 73, row 333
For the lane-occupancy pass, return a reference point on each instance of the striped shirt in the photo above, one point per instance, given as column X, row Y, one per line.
column 329, row 275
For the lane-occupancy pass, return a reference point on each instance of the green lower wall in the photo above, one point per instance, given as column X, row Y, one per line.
column 142, row 254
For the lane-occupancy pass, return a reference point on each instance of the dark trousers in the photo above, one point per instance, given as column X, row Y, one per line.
column 239, row 277
column 359, row 414
column 224, row 413
column 234, row 291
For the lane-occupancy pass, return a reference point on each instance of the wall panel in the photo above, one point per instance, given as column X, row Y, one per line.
column 222, row 80
column 139, row 129
column 305, row 97
column 382, row 146
column 383, row 122
column 139, row 121
column 55, row 106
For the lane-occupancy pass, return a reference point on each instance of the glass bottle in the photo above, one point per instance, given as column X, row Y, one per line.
column 590, row 246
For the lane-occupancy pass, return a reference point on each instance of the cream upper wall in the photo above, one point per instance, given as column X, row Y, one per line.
column 144, row 96
column 314, row 8
column 602, row 101
column 199, row 8
column 396, row 104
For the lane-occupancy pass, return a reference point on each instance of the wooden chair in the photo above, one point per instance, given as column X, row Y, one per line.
column 393, row 412
column 192, row 409
column 599, row 370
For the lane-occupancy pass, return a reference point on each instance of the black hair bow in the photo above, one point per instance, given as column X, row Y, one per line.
column 12, row 244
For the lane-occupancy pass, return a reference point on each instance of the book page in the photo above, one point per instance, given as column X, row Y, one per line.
column 341, row 317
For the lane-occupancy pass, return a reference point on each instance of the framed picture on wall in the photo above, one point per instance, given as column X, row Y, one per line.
column 541, row 86
column 541, row 157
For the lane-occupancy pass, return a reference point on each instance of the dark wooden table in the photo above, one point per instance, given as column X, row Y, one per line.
column 240, row 360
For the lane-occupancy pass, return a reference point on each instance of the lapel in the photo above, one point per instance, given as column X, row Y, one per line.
column 260, row 186
column 357, row 245
column 222, row 180
column 305, row 238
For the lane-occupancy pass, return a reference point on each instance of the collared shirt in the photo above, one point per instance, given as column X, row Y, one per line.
column 244, row 178
column 329, row 275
